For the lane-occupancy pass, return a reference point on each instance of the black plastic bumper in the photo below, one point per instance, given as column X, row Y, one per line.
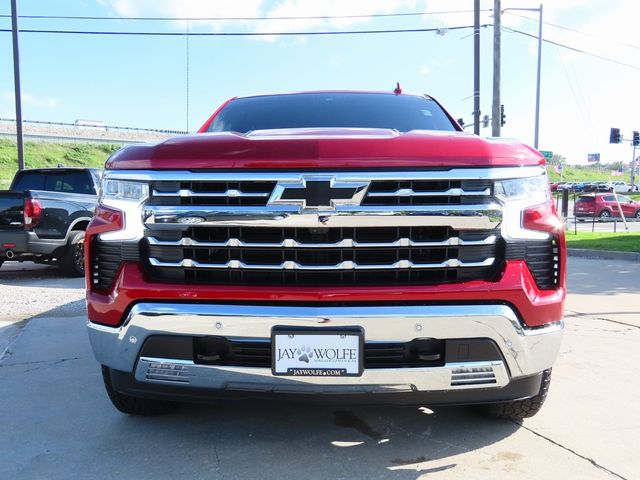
column 518, row 389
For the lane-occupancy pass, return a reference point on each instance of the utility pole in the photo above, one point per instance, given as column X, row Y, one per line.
column 16, row 83
column 537, row 126
column 632, row 178
column 476, row 67
column 495, row 106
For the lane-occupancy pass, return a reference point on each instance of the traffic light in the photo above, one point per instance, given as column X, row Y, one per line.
column 485, row 121
column 636, row 139
column 614, row 136
column 502, row 116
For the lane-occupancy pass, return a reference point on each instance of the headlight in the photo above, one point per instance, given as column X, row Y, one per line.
column 124, row 190
column 528, row 190
column 528, row 212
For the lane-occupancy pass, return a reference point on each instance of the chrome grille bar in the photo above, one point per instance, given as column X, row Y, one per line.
column 232, row 193
column 345, row 243
column 472, row 216
column 452, row 192
column 347, row 265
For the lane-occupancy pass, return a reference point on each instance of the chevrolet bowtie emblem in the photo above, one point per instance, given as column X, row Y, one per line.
column 318, row 192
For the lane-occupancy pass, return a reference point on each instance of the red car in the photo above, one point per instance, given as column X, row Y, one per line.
column 352, row 247
column 604, row 206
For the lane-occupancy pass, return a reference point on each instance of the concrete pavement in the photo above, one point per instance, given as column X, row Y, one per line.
column 58, row 423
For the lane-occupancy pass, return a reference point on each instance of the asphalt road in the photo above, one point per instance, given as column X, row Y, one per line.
column 57, row 423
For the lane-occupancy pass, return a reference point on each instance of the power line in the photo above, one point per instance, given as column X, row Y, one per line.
column 241, row 34
column 574, row 49
column 213, row 19
column 574, row 30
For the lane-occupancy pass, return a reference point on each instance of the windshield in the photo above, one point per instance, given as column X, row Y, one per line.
column 346, row 110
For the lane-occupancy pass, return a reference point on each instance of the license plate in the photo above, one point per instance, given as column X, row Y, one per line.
column 317, row 352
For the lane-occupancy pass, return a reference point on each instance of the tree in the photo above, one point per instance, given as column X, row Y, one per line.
column 557, row 159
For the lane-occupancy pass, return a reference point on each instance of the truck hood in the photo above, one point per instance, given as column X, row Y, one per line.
column 325, row 148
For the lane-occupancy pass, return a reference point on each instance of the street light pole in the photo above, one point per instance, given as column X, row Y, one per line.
column 16, row 83
column 537, row 124
column 495, row 106
column 476, row 67
column 537, row 117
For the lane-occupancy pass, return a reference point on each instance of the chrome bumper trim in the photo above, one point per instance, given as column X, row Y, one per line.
column 382, row 380
column 525, row 351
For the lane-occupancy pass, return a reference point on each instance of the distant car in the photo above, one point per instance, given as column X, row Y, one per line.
column 554, row 186
column 623, row 187
column 605, row 206
column 604, row 186
column 578, row 187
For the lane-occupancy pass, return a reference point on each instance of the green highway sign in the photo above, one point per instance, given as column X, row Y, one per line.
column 547, row 154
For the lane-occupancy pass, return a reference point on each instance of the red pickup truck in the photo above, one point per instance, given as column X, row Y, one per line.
column 336, row 246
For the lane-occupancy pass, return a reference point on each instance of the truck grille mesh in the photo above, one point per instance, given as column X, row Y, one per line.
column 322, row 256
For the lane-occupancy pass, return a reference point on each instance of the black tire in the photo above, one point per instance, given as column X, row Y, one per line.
column 605, row 214
column 519, row 409
column 1, row 262
column 72, row 261
column 135, row 405
column 637, row 216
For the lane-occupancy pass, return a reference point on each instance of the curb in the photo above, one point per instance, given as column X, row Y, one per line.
column 604, row 254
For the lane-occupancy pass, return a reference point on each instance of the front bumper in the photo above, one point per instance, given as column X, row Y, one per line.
column 525, row 352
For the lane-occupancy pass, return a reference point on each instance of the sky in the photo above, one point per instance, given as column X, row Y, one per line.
column 172, row 83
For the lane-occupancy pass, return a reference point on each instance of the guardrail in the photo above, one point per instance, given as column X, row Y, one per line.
column 97, row 127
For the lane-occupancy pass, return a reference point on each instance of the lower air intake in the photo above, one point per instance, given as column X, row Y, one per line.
column 472, row 376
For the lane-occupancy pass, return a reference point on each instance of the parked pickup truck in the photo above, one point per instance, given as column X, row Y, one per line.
column 350, row 247
column 44, row 214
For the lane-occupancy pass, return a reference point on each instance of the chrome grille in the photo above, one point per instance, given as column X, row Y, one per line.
column 212, row 193
column 277, row 228
column 428, row 192
column 380, row 192
column 316, row 256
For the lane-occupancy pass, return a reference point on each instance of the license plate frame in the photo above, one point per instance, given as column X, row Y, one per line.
column 352, row 334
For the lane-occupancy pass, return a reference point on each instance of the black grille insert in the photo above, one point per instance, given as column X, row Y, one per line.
column 212, row 193
column 542, row 258
column 475, row 192
column 106, row 258
column 316, row 248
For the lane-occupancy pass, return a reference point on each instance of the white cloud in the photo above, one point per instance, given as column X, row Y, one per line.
column 328, row 8
column 29, row 99
column 424, row 70
column 194, row 9
column 203, row 9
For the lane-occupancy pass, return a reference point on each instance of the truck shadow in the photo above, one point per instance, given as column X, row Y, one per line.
column 287, row 440
column 30, row 274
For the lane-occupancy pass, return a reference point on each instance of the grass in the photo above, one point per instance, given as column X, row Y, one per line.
column 585, row 174
column 620, row 242
column 47, row 154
